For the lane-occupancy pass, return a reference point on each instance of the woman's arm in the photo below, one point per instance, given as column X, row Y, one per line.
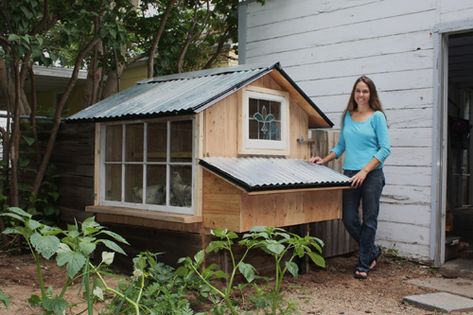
column 382, row 135
column 358, row 179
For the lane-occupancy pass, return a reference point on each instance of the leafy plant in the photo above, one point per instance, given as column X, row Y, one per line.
column 283, row 246
column 155, row 288
column 4, row 299
column 73, row 251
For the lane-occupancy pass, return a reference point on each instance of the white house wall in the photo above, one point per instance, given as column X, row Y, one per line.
column 326, row 45
column 454, row 11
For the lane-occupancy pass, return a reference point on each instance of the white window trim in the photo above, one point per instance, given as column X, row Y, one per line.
column 271, row 147
column 167, row 163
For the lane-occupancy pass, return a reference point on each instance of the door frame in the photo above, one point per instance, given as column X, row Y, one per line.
column 440, row 135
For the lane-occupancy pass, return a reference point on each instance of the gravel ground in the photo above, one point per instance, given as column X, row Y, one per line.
column 335, row 291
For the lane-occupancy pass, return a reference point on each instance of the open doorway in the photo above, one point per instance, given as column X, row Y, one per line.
column 459, row 212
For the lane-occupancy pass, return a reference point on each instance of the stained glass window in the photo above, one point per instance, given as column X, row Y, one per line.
column 264, row 119
column 265, row 123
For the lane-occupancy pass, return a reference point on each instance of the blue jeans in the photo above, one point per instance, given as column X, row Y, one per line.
column 364, row 232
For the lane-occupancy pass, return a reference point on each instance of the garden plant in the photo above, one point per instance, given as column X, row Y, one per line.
column 155, row 288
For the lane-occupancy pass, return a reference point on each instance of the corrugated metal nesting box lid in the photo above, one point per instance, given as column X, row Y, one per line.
column 259, row 174
column 179, row 94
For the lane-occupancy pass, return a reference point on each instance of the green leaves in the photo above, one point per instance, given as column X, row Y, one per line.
column 273, row 247
column 45, row 245
column 113, row 246
column 98, row 292
column 247, row 270
column 4, row 299
column 317, row 259
column 86, row 247
column 89, row 226
column 56, row 305
column 73, row 248
column 199, row 257
column 19, row 211
column 114, row 236
column 74, row 261
column 292, row 268
column 107, row 257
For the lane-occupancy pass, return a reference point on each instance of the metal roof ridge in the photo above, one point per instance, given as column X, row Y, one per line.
column 210, row 72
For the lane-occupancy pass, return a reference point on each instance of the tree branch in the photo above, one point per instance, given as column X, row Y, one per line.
column 15, row 139
column 57, row 117
column 157, row 38
column 221, row 42
column 46, row 22
column 4, row 42
column 34, row 105
column 191, row 36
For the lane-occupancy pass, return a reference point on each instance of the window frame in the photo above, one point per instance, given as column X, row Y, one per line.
column 167, row 163
column 259, row 146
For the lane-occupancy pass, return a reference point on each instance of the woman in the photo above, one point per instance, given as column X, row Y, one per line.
column 365, row 141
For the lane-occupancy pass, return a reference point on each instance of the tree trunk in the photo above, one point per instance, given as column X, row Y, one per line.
column 191, row 36
column 111, row 84
column 34, row 105
column 15, row 140
column 7, row 84
column 94, row 78
column 57, row 116
column 221, row 42
column 157, row 38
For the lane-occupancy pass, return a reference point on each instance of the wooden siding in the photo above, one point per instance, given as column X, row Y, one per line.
column 221, row 203
column 222, row 124
column 74, row 157
column 290, row 208
column 325, row 45
column 220, row 128
column 227, row 206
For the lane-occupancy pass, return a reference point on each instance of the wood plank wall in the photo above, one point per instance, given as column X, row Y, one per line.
column 227, row 206
column 325, row 45
column 74, row 157
column 222, row 132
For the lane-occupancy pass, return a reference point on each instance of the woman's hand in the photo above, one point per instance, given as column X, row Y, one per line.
column 317, row 160
column 358, row 179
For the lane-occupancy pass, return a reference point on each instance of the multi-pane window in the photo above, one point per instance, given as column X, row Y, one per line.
column 149, row 165
column 265, row 121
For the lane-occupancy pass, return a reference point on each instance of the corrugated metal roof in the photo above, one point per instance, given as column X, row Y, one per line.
column 180, row 94
column 173, row 94
column 259, row 174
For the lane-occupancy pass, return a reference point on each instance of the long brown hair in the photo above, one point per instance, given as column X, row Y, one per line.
column 374, row 102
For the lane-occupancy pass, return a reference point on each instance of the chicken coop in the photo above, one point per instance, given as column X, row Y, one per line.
column 185, row 153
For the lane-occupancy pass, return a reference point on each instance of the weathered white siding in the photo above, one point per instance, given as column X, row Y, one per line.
column 325, row 45
column 454, row 11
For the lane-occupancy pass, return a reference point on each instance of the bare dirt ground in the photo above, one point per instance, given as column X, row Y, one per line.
column 18, row 282
column 335, row 291
column 329, row 291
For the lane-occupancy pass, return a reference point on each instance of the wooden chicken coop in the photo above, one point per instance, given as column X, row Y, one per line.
column 221, row 148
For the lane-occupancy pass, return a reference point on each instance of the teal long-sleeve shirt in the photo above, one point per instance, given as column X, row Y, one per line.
column 363, row 141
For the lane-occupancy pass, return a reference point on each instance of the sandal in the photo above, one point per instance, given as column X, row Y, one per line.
column 374, row 262
column 361, row 275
